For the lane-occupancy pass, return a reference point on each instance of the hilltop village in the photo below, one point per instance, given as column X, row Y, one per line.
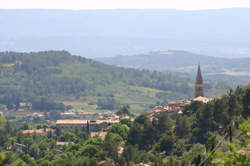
column 172, row 109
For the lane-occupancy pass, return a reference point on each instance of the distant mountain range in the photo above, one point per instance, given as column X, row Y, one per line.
column 101, row 33
column 181, row 61
column 234, row 71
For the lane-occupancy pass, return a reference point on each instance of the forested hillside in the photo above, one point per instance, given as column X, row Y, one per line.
column 61, row 76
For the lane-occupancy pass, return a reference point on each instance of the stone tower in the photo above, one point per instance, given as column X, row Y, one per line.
column 199, row 84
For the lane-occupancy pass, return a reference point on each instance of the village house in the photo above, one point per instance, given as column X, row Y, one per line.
column 18, row 146
column 93, row 125
column 43, row 131
column 99, row 134
column 61, row 144
column 64, row 125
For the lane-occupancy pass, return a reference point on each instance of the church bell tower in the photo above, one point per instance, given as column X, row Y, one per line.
column 199, row 84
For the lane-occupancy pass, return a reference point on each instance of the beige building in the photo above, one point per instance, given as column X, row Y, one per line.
column 66, row 125
column 94, row 125
column 44, row 131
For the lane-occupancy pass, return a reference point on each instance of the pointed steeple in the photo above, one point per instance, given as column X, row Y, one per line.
column 198, row 76
column 199, row 84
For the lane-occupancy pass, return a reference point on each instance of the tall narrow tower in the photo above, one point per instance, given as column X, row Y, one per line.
column 199, row 84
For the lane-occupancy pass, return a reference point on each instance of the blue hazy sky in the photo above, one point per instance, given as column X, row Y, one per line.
column 113, row 4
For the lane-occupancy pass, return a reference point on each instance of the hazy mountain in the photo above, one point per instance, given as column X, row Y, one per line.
column 99, row 33
column 234, row 71
column 181, row 61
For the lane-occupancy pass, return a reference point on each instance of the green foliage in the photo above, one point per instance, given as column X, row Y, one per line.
column 126, row 121
column 89, row 150
column 107, row 103
column 45, row 104
column 238, row 154
column 68, row 137
column 167, row 143
column 124, row 110
column 211, row 142
column 120, row 129
column 111, row 144
column 133, row 155
column 164, row 124
column 245, row 129
column 182, row 126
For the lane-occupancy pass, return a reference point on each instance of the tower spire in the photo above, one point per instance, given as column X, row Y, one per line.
column 199, row 83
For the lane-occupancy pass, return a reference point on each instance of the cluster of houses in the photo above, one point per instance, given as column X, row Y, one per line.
column 173, row 109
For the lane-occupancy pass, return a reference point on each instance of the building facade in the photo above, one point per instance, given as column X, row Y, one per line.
column 92, row 125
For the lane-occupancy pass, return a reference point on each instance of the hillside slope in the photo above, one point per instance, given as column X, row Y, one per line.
column 180, row 61
column 61, row 76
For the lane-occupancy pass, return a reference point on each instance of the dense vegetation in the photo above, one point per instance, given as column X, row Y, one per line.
column 61, row 76
column 189, row 139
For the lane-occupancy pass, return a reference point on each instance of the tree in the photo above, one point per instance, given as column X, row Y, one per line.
column 182, row 126
column 34, row 151
column 90, row 151
column 167, row 143
column 68, row 136
column 164, row 124
column 135, row 134
column 120, row 129
column 142, row 119
column 246, row 103
column 27, row 141
column 111, row 144
column 126, row 122
column 124, row 110
column 148, row 138
column 206, row 123
column 211, row 142
column 2, row 156
column 108, row 103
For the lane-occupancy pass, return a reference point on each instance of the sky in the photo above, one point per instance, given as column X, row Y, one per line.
column 133, row 4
